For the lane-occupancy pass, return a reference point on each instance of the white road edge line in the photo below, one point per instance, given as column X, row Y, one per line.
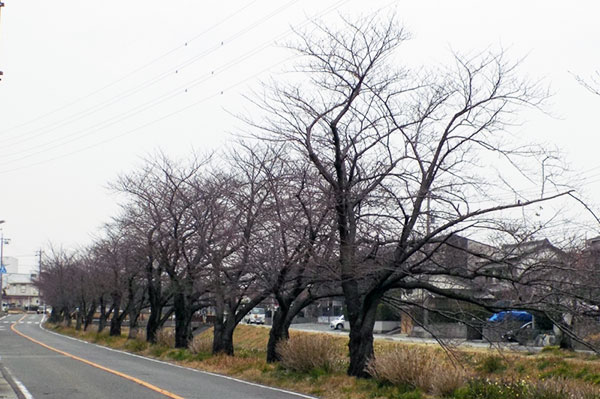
column 300, row 395
column 19, row 385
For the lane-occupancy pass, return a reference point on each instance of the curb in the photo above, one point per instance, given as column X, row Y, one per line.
column 8, row 386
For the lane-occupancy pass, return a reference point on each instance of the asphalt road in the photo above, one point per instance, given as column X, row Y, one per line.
column 44, row 373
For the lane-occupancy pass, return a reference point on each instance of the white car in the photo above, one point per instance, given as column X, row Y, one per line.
column 256, row 316
column 337, row 323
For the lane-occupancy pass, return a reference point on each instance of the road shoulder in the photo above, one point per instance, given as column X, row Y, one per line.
column 8, row 386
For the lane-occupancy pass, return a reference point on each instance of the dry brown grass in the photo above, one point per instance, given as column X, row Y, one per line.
column 419, row 368
column 564, row 388
column 306, row 352
column 166, row 337
column 201, row 344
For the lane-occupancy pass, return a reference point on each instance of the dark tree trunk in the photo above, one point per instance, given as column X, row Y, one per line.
column 115, row 321
column 79, row 319
column 155, row 301
column 103, row 315
column 89, row 316
column 279, row 332
column 183, row 321
column 360, row 345
column 153, row 322
column 66, row 316
column 135, row 308
column 563, row 330
column 223, row 336
column 223, row 330
column 134, row 315
column 55, row 316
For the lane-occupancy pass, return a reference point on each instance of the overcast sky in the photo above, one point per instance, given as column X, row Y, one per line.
column 90, row 88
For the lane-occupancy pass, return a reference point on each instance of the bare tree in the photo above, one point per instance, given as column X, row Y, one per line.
column 119, row 265
column 162, row 202
column 300, row 241
column 57, row 284
column 592, row 84
column 237, row 276
column 399, row 150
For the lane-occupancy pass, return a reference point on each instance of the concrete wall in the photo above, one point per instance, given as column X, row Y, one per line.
column 441, row 330
column 449, row 330
column 385, row 326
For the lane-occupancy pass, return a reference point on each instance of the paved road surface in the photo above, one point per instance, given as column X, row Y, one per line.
column 44, row 373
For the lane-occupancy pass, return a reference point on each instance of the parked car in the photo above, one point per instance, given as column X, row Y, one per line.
column 256, row 316
column 515, row 315
column 521, row 334
column 337, row 323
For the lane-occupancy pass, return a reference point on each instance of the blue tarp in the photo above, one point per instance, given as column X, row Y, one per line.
column 519, row 315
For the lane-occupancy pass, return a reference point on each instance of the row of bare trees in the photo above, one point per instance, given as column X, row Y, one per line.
column 358, row 175
column 192, row 236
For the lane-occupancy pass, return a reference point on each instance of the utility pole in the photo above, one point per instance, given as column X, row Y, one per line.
column 39, row 254
column 2, row 267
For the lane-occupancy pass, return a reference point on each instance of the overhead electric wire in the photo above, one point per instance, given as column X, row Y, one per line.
column 164, row 97
column 158, row 100
column 131, row 73
column 35, row 133
column 166, row 116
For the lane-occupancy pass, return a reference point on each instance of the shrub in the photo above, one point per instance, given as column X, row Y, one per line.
column 492, row 364
column 166, row 337
column 555, row 349
column 201, row 344
column 136, row 345
column 417, row 368
column 178, row 354
column 304, row 353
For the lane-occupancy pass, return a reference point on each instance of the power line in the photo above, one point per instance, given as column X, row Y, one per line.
column 131, row 73
column 34, row 133
column 169, row 115
column 151, row 103
column 324, row 12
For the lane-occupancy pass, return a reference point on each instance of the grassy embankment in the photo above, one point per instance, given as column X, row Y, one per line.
column 315, row 365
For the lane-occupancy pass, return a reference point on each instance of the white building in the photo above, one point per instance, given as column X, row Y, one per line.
column 18, row 290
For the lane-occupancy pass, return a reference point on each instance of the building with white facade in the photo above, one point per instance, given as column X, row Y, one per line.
column 18, row 290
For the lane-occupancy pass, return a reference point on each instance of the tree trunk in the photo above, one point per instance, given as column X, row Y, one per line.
column 55, row 316
column 279, row 332
column 223, row 336
column 223, row 330
column 360, row 345
column 183, row 321
column 564, row 339
column 79, row 319
column 155, row 301
column 89, row 316
column 134, row 315
column 115, row 321
column 135, row 308
column 153, row 322
column 103, row 315
column 66, row 316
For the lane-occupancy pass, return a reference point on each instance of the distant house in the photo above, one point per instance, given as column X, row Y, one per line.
column 20, row 292
column 500, row 276
column 18, row 289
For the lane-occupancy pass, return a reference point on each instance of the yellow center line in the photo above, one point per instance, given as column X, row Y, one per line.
column 115, row 372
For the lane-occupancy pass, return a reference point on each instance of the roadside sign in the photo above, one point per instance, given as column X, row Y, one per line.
column 2, row 269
